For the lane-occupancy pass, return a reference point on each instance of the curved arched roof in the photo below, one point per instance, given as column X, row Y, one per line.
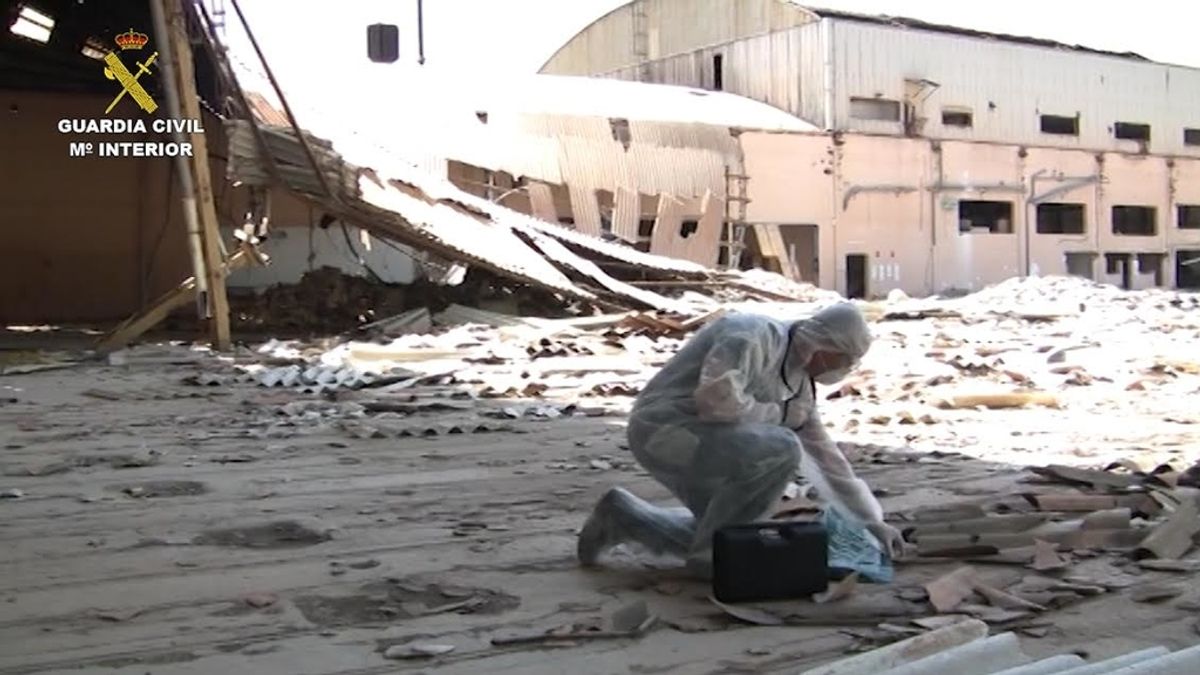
column 806, row 14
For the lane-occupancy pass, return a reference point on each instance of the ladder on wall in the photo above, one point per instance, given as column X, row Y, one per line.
column 736, row 200
column 216, row 10
column 641, row 40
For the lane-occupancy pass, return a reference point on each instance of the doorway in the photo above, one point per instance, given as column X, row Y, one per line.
column 856, row 276
column 800, row 246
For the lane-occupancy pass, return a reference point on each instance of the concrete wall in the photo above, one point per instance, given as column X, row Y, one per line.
column 899, row 202
column 94, row 239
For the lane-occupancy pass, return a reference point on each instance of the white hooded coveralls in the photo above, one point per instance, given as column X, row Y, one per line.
column 724, row 426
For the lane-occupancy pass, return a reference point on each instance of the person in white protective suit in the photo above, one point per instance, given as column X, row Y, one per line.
column 724, row 426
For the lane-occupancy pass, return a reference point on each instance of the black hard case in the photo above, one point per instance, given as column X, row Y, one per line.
column 770, row 561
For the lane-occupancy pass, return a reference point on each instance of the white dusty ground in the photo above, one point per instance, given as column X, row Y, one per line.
column 126, row 550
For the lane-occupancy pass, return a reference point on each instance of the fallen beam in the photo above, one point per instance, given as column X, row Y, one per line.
column 153, row 314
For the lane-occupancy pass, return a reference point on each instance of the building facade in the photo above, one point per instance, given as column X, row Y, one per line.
column 949, row 158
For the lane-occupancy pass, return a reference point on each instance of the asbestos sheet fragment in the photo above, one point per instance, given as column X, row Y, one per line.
column 1046, row 557
column 949, row 591
column 754, row 615
column 839, row 590
column 1173, row 538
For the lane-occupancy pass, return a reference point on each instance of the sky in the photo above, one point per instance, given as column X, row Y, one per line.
column 318, row 48
column 516, row 36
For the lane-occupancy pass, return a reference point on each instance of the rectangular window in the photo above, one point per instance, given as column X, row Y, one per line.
column 1152, row 263
column 1060, row 219
column 879, row 109
column 957, row 117
column 719, row 72
column 1134, row 221
column 985, row 217
column 1131, row 131
column 1189, row 217
column 1059, row 125
column 1187, row 269
column 1191, row 136
column 1080, row 264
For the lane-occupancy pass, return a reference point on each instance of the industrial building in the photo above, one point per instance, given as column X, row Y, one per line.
column 939, row 158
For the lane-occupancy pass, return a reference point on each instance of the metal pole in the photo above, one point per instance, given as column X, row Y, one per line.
column 287, row 109
column 182, row 166
column 420, row 32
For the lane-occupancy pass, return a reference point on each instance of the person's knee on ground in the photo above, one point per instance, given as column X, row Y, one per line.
column 621, row 517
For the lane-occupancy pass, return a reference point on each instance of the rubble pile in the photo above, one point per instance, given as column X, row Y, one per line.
column 327, row 301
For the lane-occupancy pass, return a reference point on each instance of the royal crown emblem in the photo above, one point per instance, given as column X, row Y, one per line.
column 131, row 40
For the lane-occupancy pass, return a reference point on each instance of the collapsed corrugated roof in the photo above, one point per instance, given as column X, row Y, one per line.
column 429, row 213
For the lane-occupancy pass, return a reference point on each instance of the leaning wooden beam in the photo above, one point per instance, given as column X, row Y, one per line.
column 210, row 231
column 155, row 312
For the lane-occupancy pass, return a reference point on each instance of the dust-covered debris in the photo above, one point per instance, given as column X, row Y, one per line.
column 282, row 534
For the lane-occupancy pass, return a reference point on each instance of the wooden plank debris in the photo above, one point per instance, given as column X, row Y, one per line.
column 183, row 294
column 1000, row 401
column 189, row 99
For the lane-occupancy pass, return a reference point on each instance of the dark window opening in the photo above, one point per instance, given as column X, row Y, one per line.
column 1189, row 217
column 1063, row 126
column 985, row 216
column 620, row 131
column 1060, row 219
column 1187, row 269
column 856, row 276
column 1081, row 264
column 1191, row 136
column 957, row 118
column 719, row 72
column 1120, row 263
column 646, row 227
column 1134, row 221
column 688, row 227
column 879, row 109
column 1131, row 131
column 1151, row 263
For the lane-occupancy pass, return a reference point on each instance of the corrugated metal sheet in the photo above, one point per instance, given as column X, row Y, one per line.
column 479, row 239
column 607, row 44
column 586, row 210
column 1021, row 82
column 783, row 69
column 708, row 236
column 679, row 139
column 666, row 224
column 541, row 201
column 627, row 214
column 555, row 250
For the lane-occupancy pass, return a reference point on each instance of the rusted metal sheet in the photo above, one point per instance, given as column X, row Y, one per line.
column 541, row 200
